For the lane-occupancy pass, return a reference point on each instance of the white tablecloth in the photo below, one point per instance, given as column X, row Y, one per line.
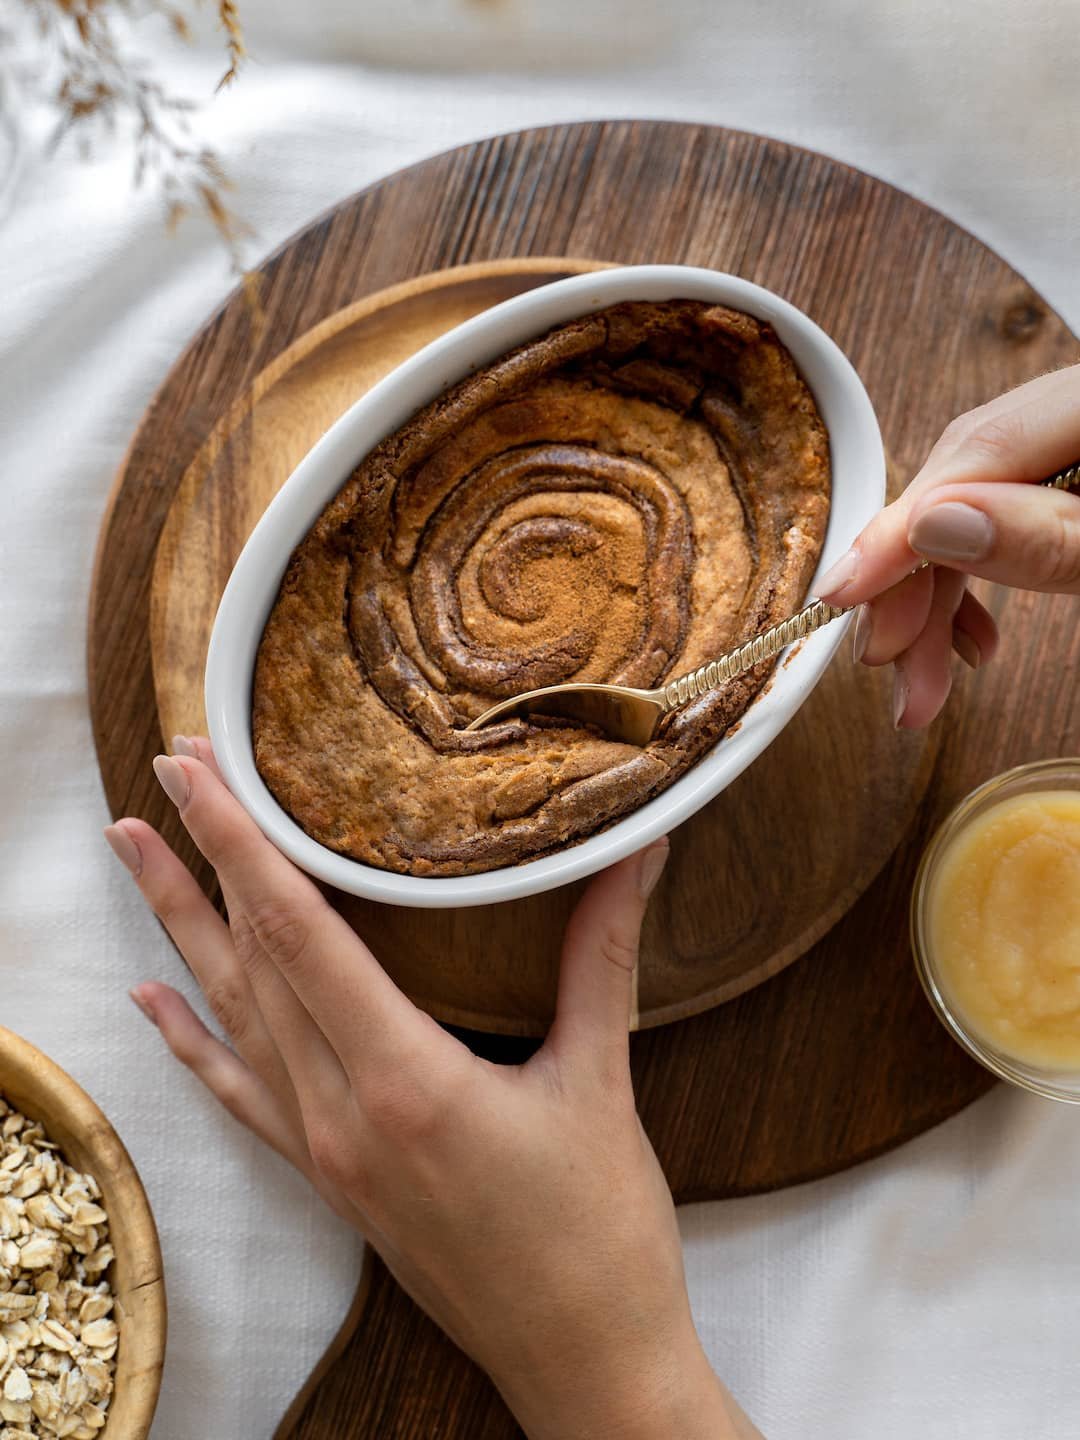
column 932, row 1293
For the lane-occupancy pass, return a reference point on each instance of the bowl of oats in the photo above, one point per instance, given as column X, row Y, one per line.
column 82, row 1300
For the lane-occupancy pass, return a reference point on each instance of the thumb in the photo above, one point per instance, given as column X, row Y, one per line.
column 598, row 974
column 1019, row 535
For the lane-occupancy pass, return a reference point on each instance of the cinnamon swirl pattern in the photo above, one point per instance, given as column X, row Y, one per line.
column 621, row 499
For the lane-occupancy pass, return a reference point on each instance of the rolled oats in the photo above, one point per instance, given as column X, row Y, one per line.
column 58, row 1339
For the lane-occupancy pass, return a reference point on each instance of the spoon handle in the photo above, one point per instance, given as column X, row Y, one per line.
column 777, row 637
column 752, row 652
column 1067, row 480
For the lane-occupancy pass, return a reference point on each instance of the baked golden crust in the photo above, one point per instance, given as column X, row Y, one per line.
column 621, row 499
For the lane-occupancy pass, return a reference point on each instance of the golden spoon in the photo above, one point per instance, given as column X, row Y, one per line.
column 632, row 715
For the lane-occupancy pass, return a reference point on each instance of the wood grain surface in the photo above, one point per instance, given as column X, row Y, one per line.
column 494, row 967
column 838, row 1057
column 38, row 1087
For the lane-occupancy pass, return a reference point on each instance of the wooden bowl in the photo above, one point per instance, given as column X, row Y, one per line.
column 37, row 1087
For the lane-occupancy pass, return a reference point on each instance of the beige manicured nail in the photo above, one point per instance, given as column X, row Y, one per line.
column 864, row 628
column 840, row 576
column 181, row 745
column 124, row 848
column 172, row 777
column 952, row 532
column 966, row 648
column 144, row 1005
column 652, row 867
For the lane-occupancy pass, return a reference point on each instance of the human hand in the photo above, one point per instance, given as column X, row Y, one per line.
column 973, row 509
column 522, row 1207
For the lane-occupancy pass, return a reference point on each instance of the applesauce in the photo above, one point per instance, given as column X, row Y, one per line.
column 996, row 926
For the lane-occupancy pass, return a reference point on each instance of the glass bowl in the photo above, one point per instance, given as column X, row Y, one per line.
column 1053, row 1083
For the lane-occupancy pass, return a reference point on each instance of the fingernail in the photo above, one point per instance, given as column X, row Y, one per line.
column 124, row 848
column 952, row 532
column 840, row 576
column 901, row 696
column 966, row 648
column 172, row 777
column 181, row 745
column 864, row 627
column 144, row 1005
column 652, row 867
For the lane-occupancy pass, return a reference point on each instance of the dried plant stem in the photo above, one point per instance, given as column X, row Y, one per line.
column 72, row 54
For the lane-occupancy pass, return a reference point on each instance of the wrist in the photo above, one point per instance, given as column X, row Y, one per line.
column 674, row 1396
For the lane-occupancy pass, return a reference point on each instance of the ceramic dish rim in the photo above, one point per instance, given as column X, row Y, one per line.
column 859, row 476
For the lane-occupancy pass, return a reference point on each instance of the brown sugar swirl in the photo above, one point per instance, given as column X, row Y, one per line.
column 622, row 499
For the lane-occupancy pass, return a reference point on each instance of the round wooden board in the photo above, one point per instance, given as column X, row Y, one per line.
column 752, row 852
column 839, row 1057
